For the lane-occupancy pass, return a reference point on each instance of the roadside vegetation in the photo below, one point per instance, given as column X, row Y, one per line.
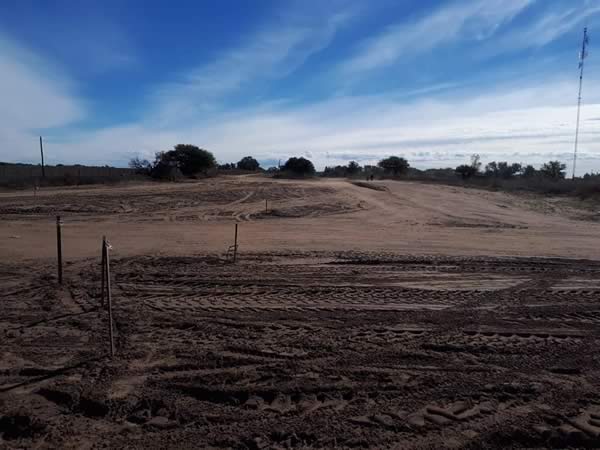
column 549, row 179
column 190, row 161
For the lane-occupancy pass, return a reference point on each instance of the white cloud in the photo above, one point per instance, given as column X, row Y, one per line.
column 34, row 96
column 548, row 27
column 270, row 54
column 524, row 121
column 478, row 19
column 528, row 123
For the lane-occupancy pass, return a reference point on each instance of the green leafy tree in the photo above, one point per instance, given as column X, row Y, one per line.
column 502, row 169
column 248, row 163
column 528, row 171
column 394, row 164
column 555, row 170
column 299, row 166
column 187, row 158
column 353, row 168
column 466, row 171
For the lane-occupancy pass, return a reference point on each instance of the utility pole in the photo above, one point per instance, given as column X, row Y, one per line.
column 582, row 57
column 42, row 152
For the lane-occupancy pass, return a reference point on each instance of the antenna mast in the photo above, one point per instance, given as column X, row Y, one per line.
column 582, row 57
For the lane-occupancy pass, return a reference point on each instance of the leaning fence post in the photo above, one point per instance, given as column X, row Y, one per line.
column 235, row 244
column 109, row 297
column 103, row 270
column 59, row 248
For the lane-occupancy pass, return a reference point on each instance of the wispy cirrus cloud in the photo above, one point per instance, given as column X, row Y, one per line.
column 527, row 123
column 272, row 53
column 477, row 20
column 549, row 26
column 501, row 114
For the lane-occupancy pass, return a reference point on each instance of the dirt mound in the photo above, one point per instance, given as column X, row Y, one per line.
column 375, row 187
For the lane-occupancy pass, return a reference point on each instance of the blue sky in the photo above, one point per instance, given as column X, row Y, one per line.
column 434, row 81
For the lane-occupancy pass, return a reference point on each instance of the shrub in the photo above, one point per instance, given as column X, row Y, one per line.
column 555, row 170
column 465, row 171
column 141, row 166
column 248, row 163
column 394, row 164
column 502, row 169
column 185, row 158
column 299, row 166
column 353, row 168
column 529, row 171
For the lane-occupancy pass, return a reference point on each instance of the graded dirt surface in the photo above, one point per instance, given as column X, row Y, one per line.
column 332, row 215
column 336, row 327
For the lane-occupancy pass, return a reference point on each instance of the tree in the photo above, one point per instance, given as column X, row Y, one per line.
column 141, row 166
column 502, row 169
column 335, row 171
column 465, row 171
column 476, row 162
column 353, row 168
column 555, row 170
column 299, row 166
column 491, row 169
column 189, row 159
column 248, row 163
column 394, row 164
column 528, row 172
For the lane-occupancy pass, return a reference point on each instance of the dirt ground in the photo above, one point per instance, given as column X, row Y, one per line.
column 329, row 215
column 393, row 315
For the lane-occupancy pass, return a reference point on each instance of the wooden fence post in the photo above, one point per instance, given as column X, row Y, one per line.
column 109, row 298
column 59, row 248
column 235, row 244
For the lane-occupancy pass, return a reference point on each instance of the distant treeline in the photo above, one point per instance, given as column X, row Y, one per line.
column 21, row 175
column 186, row 160
column 549, row 179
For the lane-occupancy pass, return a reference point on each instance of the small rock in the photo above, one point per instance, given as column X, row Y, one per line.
column 161, row 422
column 254, row 402
column 470, row 434
column 384, row 420
column 416, row 420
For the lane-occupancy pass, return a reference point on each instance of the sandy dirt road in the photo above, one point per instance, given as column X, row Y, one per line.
column 329, row 215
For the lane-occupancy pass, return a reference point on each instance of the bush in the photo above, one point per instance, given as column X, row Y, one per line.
column 299, row 166
column 353, row 168
column 185, row 158
column 394, row 164
column 248, row 163
column 555, row 170
column 466, row 171
column 141, row 166
column 529, row 171
column 503, row 169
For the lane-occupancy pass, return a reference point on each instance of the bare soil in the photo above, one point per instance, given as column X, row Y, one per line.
column 353, row 318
